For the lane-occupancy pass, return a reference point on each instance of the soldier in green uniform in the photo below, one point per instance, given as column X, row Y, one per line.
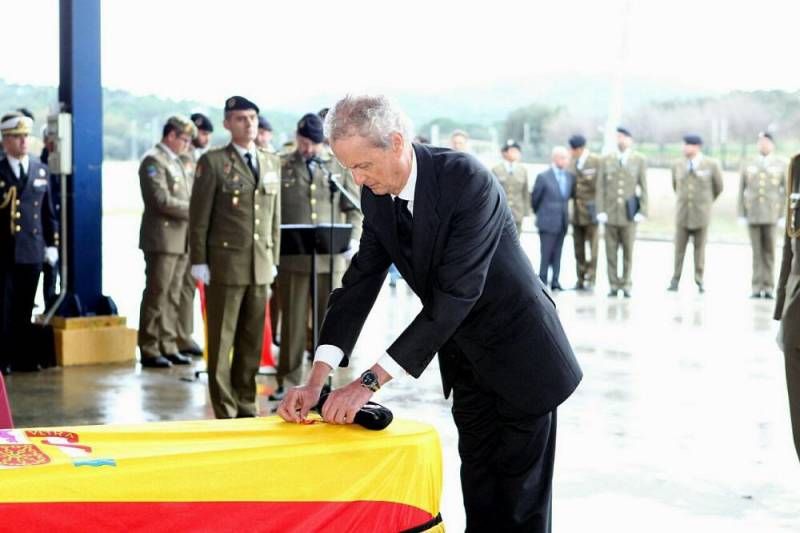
column 697, row 181
column 787, row 305
column 761, row 205
column 585, row 166
column 513, row 176
column 234, row 245
column 264, row 137
column 621, row 204
column 306, row 199
column 202, row 139
column 163, row 238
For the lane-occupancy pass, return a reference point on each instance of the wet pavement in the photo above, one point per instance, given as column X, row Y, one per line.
column 681, row 422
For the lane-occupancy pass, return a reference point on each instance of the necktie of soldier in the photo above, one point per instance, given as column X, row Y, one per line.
column 404, row 226
column 249, row 158
column 23, row 177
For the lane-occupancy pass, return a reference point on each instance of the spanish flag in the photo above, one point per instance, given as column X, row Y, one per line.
column 258, row 474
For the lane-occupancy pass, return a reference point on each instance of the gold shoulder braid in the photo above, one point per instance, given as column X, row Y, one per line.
column 10, row 198
column 793, row 198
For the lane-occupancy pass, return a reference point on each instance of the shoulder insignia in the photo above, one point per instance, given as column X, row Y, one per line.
column 151, row 171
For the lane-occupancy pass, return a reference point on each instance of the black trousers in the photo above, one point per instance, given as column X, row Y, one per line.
column 550, row 245
column 18, row 286
column 506, row 459
column 49, row 278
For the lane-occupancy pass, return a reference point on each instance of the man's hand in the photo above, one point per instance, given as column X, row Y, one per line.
column 298, row 402
column 343, row 404
column 51, row 255
column 201, row 274
column 638, row 217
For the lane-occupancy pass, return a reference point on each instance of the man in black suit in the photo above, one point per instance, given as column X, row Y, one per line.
column 550, row 201
column 28, row 238
column 443, row 219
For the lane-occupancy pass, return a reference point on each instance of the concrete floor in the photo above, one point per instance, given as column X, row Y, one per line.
column 681, row 422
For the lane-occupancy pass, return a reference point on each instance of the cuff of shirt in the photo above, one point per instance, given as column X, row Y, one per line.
column 391, row 367
column 330, row 355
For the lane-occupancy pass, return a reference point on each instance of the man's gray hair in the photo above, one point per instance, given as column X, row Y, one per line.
column 373, row 117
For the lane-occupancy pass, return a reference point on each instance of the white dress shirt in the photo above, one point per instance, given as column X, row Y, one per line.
column 252, row 152
column 582, row 160
column 172, row 155
column 333, row 355
column 15, row 164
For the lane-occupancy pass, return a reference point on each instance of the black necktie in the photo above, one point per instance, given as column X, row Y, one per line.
column 404, row 227
column 23, row 176
column 249, row 158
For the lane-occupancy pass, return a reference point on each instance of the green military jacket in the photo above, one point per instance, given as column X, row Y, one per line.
column 165, row 192
column 234, row 219
column 617, row 183
column 696, row 191
column 585, row 192
column 762, row 186
column 515, row 184
column 306, row 199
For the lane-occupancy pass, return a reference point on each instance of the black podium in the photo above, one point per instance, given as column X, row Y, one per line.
column 313, row 240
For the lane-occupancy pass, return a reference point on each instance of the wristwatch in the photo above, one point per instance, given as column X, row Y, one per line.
column 369, row 380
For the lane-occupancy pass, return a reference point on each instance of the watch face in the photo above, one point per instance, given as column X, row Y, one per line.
column 369, row 379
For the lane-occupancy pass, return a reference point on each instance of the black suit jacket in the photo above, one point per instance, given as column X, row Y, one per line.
column 481, row 299
column 549, row 205
column 37, row 222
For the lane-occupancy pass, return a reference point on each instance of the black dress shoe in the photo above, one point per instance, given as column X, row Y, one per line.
column 157, row 361
column 755, row 295
column 25, row 366
column 277, row 395
column 626, row 293
column 556, row 287
column 177, row 359
column 193, row 349
column 612, row 293
column 700, row 288
column 768, row 295
column 673, row 286
column 580, row 286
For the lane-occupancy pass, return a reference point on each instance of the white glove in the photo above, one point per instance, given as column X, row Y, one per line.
column 638, row 217
column 201, row 273
column 274, row 272
column 602, row 218
column 742, row 221
column 352, row 251
column 782, row 222
column 51, row 255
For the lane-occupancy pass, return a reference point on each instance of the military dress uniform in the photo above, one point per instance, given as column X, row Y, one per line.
column 697, row 183
column 514, row 179
column 787, row 304
column 235, row 230
column 621, row 178
column 27, row 226
column 586, row 170
column 761, row 202
column 306, row 199
column 163, row 237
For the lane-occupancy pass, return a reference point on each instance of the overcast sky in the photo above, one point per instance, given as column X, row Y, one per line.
column 283, row 52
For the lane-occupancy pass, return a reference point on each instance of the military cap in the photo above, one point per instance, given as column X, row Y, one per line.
column 16, row 124
column 625, row 131
column 263, row 123
column 202, row 122
column 577, row 141
column 693, row 139
column 766, row 135
column 511, row 143
column 310, row 127
column 182, row 125
column 239, row 103
column 25, row 111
